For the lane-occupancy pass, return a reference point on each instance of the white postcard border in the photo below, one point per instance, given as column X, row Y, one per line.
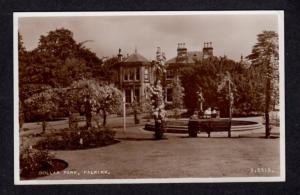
column 280, row 178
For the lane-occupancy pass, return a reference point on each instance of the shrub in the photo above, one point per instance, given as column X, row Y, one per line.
column 177, row 113
column 32, row 161
column 80, row 139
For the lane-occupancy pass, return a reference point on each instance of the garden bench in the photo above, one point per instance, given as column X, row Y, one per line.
column 208, row 125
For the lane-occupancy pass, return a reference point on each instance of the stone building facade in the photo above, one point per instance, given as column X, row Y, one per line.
column 135, row 72
column 183, row 59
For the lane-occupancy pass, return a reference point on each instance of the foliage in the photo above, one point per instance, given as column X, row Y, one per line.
column 156, row 94
column 265, row 59
column 106, row 72
column 69, row 139
column 137, row 108
column 209, row 73
column 32, row 161
column 178, row 94
column 90, row 96
column 146, row 106
column 59, row 52
column 58, row 43
column 42, row 104
column 21, row 48
column 57, row 58
column 21, row 115
column 22, row 64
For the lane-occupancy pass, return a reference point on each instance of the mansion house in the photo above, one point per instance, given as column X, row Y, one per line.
column 135, row 72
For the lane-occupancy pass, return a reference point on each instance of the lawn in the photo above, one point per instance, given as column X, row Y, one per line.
column 139, row 156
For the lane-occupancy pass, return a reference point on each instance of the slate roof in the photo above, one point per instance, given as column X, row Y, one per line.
column 136, row 57
column 192, row 56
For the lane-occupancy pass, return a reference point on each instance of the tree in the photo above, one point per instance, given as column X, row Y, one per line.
column 43, row 104
column 105, row 71
column 110, row 101
column 190, row 98
column 146, row 106
column 64, row 58
column 21, row 56
column 21, row 48
column 204, row 75
column 178, row 94
column 207, row 74
column 57, row 58
column 264, row 57
column 59, row 44
column 137, row 108
column 90, row 96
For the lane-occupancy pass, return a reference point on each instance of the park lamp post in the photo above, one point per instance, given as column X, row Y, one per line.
column 227, row 82
column 230, row 99
column 124, row 112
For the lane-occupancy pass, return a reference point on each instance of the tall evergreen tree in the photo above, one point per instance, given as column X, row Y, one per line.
column 264, row 58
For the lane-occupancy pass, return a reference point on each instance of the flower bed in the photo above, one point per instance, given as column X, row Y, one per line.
column 78, row 139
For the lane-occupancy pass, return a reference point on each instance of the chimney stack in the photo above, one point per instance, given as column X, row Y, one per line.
column 120, row 56
column 181, row 51
column 207, row 50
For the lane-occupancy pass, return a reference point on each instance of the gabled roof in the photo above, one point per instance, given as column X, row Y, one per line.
column 136, row 57
column 192, row 57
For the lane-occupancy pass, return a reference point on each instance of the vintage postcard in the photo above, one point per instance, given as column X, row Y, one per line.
column 148, row 97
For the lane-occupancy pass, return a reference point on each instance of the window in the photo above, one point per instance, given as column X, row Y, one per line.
column 170, row 74
column 146, row 74
column 137, row 74
column 137, row 95
column 169, row 95
column 128, row 95
column 131, row 74
column 125, row 74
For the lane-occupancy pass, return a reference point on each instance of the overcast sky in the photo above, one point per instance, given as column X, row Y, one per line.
column 231, row 35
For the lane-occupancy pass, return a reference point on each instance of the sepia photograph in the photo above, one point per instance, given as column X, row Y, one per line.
column 148, row 97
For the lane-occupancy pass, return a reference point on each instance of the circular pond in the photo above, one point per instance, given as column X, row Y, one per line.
column 181, row 126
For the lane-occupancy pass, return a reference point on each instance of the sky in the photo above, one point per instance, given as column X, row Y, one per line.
column 231, row 35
